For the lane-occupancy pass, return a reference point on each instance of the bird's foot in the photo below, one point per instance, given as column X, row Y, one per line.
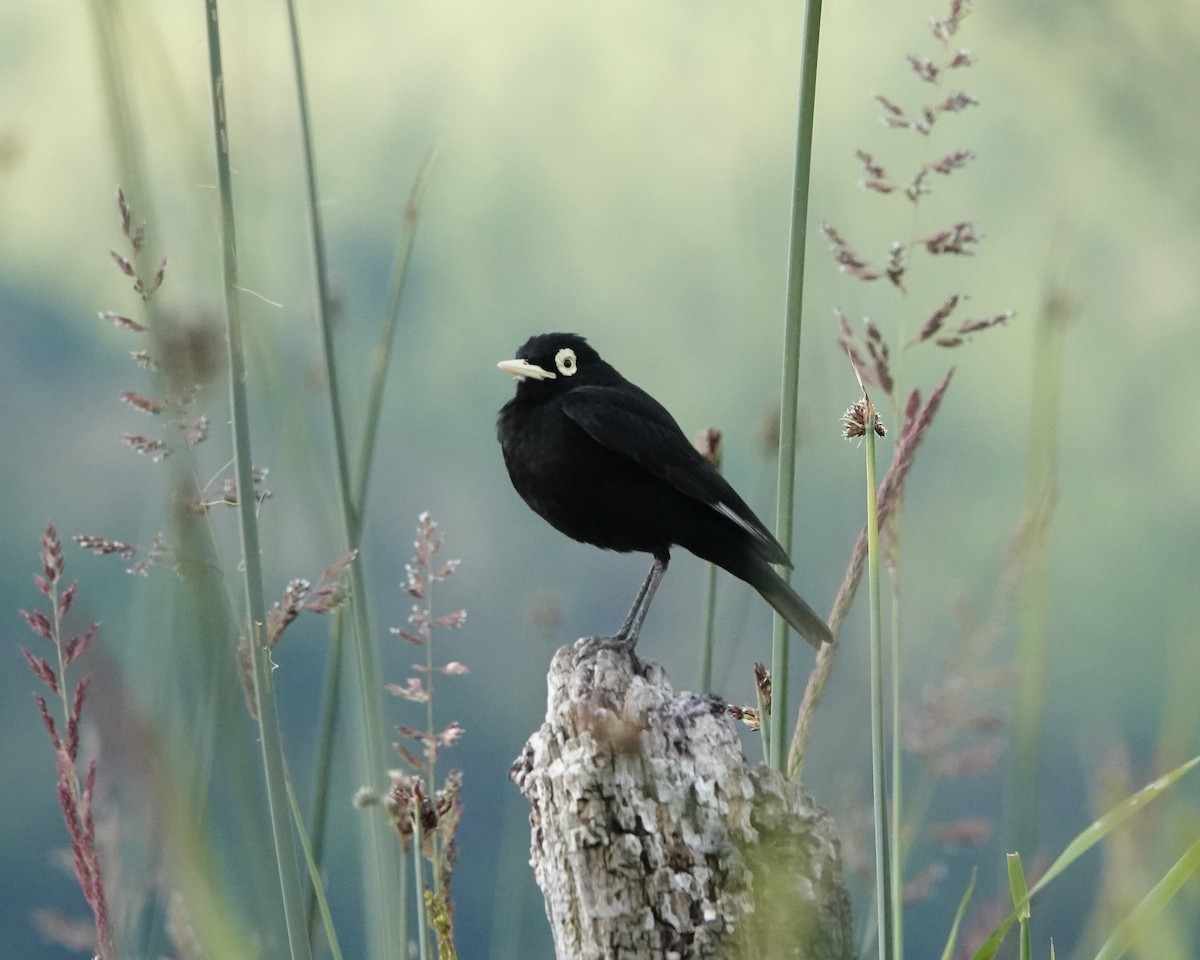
column 621, row 643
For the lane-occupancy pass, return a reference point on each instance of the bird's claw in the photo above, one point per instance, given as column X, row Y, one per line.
column 621, row 643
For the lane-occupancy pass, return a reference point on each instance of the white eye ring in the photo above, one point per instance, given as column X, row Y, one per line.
column 565, row 361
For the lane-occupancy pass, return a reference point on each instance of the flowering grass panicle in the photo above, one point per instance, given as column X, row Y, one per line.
column 421, row 809
column 76, row 787
column 869, row 352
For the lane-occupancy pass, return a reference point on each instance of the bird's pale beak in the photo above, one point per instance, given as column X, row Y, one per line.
column 522, row 369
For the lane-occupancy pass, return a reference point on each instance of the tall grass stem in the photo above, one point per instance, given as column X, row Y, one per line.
column 256, row 614
column 786, row 488
column 381, row 862
column 1041, row 480
column 883, row 870
column 418, row 844
column 314, row 877
column 898, row 806
column 381, row 358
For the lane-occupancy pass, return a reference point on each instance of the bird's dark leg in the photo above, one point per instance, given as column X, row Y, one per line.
column 627, row 636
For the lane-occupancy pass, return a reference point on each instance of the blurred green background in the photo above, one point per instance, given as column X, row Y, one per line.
column 623, row 170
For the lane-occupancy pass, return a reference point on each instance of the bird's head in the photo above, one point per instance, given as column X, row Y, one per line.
column 552, row 362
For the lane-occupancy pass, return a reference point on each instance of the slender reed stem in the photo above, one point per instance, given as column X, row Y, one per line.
column 764, row 719
column 314, row 876
column 383, row 872
column 711, row 446
column 786, row 493
column 381, row 358
column 380, row 363
column 260, row 655
column 418, row 842
column 891, row 489
column 1041, row 479
column 327, row 726
column 898, row 807
column 883, row 870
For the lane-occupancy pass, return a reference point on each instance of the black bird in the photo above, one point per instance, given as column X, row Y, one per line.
column 602, row 461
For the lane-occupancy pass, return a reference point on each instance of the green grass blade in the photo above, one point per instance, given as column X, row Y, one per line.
column 314, row 874
column 1020, row 898
column 786, row 492
column 1133, row 925
column 381, row 359
column 1096, row 832
column 256, row 617
column 1016, row 885
column 382, row 862
column 419, row 880
column 952, row 939
column 898, row 810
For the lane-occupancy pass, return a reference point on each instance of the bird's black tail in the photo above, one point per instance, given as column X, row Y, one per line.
column 788, row 604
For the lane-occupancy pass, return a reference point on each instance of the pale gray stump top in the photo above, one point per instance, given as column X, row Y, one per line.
column 653, row 836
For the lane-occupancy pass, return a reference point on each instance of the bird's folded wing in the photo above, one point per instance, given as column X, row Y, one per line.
column 632, row 423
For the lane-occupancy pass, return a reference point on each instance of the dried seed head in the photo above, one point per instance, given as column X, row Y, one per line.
column 917, row 189
column 957, row 102
column 708, row 442
column 938, row 318
column 143, row 403
column 944, row 29
column 957, row 240
column 953, row 160
column 748, row 715
column 120, row 322
column 156, row 450
column 924, row 68
column 854, row 420
column 104, row 547
column 847, row 259
column 762, row 684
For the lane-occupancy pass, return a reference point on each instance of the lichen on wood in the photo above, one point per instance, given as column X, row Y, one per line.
column 652, row 834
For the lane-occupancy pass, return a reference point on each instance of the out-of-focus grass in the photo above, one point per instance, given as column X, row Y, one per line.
column 622, row 172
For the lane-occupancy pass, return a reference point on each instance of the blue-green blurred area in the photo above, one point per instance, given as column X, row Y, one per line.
column 622, row 170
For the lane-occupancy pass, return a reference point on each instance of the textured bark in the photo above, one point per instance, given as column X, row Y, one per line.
column 654, row 836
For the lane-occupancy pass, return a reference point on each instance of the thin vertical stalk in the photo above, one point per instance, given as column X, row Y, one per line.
column 764, row 718
column 382, row 874
column 1041, row 479
column 418, row 842
column 260, row 655
column 314, row 877
column 883, row 870
column 380, row 362
column 381, row 358
column 786, row 492
column 898, row 806
column 711, row 446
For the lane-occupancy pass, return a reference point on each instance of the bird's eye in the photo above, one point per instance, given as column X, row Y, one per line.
column 565, row 361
